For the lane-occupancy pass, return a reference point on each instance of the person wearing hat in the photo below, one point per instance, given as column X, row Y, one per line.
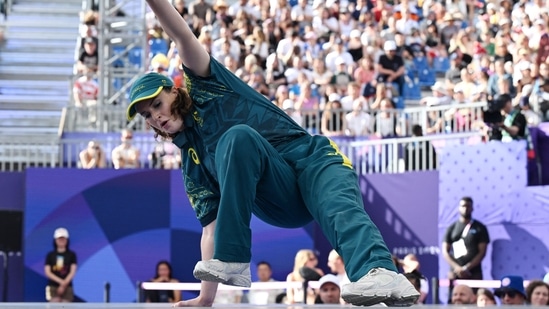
column 511, row 291
column 241, row 155
column 329, row 291
column 391, row 66
column 88, row 58
column 60, row 268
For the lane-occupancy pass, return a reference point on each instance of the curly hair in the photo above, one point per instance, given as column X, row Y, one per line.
column 180, row 107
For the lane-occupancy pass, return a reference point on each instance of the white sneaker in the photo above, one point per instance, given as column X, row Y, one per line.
column 237, row 274
column 380, row 285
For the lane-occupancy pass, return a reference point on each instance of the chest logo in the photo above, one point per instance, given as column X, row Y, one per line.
column 194, row 156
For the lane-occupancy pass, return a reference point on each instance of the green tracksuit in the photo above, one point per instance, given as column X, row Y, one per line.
column 243, row 155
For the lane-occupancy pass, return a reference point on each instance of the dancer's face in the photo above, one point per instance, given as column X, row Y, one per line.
column 157, row 112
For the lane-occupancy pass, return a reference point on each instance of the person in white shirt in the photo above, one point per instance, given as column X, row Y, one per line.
column 359, row 123
column 338, row 52
column 267, row 296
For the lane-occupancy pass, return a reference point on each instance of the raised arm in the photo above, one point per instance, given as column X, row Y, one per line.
column 192, row 54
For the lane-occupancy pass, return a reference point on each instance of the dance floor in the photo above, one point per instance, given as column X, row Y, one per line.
column 165, row 306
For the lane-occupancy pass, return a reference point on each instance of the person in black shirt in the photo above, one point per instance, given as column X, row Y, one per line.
column 464, row 245
column 60, row 268
column 163, row 274
column 391, row 66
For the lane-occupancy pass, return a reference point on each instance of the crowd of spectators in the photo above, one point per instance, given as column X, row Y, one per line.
column 324, row 62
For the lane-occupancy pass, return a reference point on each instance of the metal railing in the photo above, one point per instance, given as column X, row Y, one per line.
column 375, row 155
column 434, row 119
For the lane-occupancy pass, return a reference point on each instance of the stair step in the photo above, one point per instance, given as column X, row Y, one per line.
column 35, row 92
column 38, row 72
column 35, row 59
column 21, row 102
column 19, row 114
column 63, row 2
column 45, row 9
column 42, row 85
column 12, row 124
column 26, row 19
column 39, row 29
column 34, row 35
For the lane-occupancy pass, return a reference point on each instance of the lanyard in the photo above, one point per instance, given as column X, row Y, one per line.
column 466, row 229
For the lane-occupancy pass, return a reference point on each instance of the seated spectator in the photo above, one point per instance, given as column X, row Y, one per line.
column 453, row 75
column 93, row 156
column 341, row 76
column 467, row 83
column 126, row 155
column 321, row 76
column 163, row 274
column 511, row 291
column 365, row 75
column 289, row 107
column 391, row 66
column 440, row 96
column 410, row 262
column 329, row 291
column 485, row 298
column 333, row 121
column 382, row 92
column 386, row 121
column 165, row 156
column 414, row 279
column 338, row 55
column 303, row 258
column 264, row 297
column 537, row 293
column 359, row 123
column 353, row 94
column 463, row 295
column 275, row 71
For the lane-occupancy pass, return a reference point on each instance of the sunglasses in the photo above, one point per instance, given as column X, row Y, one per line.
column 511, row 294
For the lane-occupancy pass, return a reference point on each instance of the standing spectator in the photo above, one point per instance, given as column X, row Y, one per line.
column 537, row 293
column 125, row 155
column 60, row 269
column 85, row 92
column 88, row 58
column 511, row 291
column 514, row 126
column 465, row 242
column 391, row 66
column 264, row 297
column 163, row 274
column 93, row 156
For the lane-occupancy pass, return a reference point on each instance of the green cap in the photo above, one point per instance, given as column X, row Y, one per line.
column 146, row 87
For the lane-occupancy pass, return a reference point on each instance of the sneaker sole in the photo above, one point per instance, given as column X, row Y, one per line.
column 235, row 280
column 365, row 300
column 405, row 301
